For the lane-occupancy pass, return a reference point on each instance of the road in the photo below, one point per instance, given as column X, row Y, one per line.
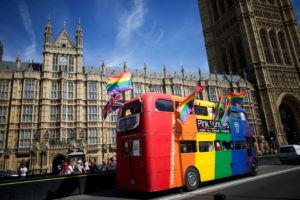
column 273, row 182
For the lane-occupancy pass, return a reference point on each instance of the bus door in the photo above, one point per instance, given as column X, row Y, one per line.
column 239, row 152
column 130, row 143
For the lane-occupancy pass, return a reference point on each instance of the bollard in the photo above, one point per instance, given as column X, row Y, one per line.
column 219, row 196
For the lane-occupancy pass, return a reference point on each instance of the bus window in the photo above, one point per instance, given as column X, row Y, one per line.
column 238, row 115
column 227, row 145
column 234, row 115
column 243, row 116
column 217, row 145
column 135, row 148
column 239, row 145
column 164, row 105
column 187, row 146
column 131, row 109
column 206, row 146
column 200, row 110
column 131, row 148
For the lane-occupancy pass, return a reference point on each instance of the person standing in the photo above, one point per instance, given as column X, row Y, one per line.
column 23, row 171
column 86, row 166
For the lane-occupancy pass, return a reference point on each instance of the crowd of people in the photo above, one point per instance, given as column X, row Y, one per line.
column 87, row 166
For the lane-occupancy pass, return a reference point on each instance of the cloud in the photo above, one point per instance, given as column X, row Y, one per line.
column 130, row 22
column 30, row 51
column 153, row 36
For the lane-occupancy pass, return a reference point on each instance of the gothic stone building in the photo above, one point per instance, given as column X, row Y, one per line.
column 260, row 40
column 50, row 109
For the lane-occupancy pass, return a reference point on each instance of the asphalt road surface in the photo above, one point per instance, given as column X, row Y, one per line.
column 274, row 182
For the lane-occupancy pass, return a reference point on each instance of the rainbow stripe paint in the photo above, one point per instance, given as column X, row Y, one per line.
column 236, row 98
column 185, row 107
column 119, row 83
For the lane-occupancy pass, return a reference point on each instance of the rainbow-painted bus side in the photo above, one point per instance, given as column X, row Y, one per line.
column 156, row 151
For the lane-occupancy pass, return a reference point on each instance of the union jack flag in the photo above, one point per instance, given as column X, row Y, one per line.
column 115, row 102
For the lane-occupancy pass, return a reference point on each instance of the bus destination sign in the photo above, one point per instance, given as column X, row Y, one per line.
column 212, row 126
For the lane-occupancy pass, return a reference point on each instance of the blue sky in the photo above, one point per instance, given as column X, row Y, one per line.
column 155, row 32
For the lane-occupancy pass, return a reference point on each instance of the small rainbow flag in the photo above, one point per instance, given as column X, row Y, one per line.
column 217, row 112
column 185, row 107
column 236, row 98
column 227, row 110
column 119, row 83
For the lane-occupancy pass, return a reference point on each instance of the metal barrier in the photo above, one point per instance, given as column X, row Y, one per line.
column 50, row 187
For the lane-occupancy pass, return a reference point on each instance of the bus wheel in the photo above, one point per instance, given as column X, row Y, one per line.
column 254, row 168
column 191, row 179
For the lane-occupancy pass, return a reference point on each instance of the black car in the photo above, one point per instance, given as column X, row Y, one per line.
column 8, row 174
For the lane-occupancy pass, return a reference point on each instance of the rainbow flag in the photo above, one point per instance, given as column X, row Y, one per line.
column 236, row 98
column 200, row 88
column 185, row 107
column 217, row 112
column 119, row 83
column 227, row 110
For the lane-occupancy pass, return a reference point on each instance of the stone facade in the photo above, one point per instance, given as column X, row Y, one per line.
column 50, row 109
column 260, row 40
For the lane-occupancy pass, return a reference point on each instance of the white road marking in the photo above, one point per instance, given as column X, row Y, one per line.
column 226, row 185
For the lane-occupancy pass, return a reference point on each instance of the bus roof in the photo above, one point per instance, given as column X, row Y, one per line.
column 169, row 97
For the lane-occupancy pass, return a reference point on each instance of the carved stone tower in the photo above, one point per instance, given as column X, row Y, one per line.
column 63, row 54
column 259, row 39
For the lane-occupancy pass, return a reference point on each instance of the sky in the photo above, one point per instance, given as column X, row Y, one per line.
column 138, row 32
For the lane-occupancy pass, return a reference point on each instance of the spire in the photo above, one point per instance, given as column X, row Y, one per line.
column 182, row 72
column 79, row 35
column 165, row 71
column 65, row 25
column 145, row 70
column 124, row 67
column 48, row 32
column 200, row 73
column 18, row 62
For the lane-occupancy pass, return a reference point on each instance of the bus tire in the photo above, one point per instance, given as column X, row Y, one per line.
column 253, row 168
column 191, row 178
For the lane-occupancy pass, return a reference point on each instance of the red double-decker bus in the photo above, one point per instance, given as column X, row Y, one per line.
column 156, row 151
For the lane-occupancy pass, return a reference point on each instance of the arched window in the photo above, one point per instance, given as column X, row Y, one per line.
column 265, row 46
column 215, row 10
column 284, row 48
column 71, row 64
column 275, row 46
column 55, row 63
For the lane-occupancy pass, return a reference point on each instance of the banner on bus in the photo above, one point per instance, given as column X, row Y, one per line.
column 212, row 126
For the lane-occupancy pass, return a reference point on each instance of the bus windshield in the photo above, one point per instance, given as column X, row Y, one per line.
column 131, row 108
column 130, row 116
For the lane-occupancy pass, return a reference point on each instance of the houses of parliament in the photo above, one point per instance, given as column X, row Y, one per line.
column 53, row 108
